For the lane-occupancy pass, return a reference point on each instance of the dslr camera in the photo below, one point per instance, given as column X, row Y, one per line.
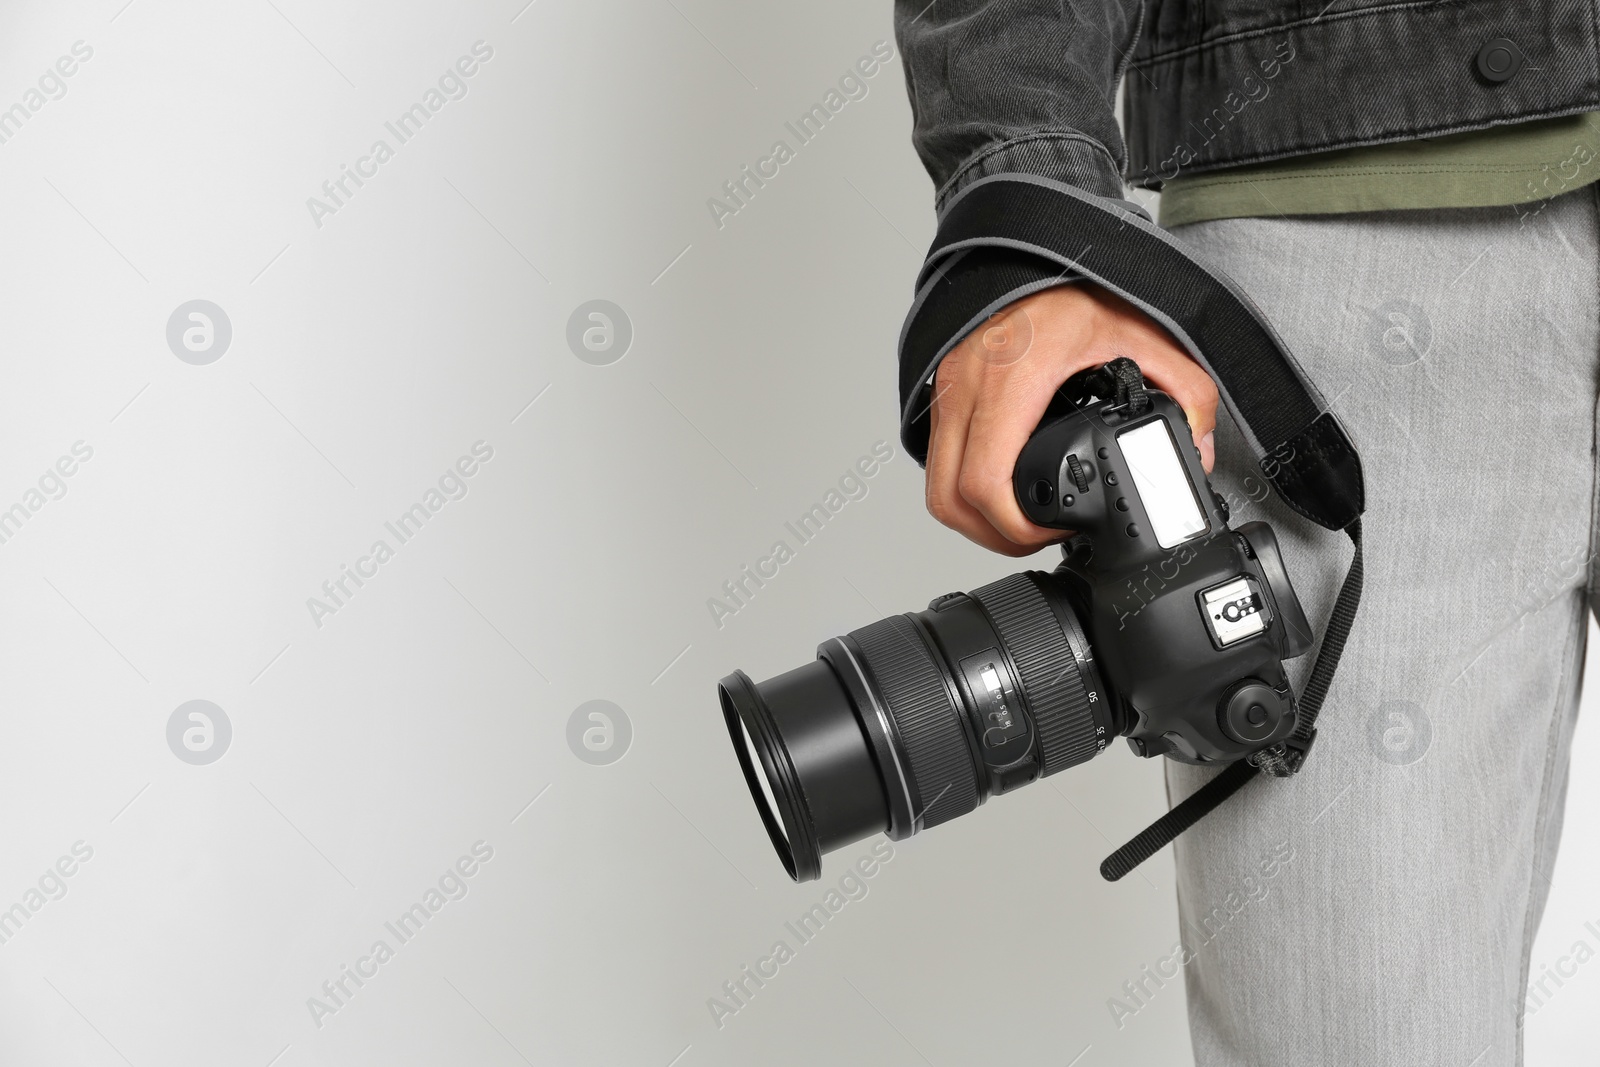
column 1163, row 624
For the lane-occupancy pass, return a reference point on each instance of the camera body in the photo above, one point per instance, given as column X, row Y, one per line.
column 1162, row 624
column 1190, row 620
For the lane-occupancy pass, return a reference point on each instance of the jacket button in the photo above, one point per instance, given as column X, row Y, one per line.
column 1499, row 60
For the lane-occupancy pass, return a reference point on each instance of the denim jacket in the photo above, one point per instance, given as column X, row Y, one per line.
column 1014, row 105
column 1030, row 85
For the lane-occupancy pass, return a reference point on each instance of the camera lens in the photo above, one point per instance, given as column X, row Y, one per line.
column 768, row 801
column 807, row 762
column 917, row 719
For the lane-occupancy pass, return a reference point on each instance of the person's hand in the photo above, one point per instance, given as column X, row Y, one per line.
column 993, row 388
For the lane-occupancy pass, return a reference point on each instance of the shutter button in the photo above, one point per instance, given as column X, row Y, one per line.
column 1499, row 60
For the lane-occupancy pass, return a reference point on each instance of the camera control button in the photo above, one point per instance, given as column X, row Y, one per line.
column 1104, row 453
column 1122, row 503
column 1111, row 477
column 939, row 603
column 1252, row 711
column 1133, row 529
column 1076, row 473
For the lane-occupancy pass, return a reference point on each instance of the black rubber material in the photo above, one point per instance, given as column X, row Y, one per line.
column 1052, row 685
column 943, row 777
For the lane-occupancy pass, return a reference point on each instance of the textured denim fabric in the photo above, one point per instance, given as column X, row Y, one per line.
column 1030, row 85
column 1460, row 348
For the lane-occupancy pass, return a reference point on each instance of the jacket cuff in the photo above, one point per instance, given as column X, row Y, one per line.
column 1065, row 156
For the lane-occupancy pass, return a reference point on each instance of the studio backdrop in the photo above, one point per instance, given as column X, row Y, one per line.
column 409, row 412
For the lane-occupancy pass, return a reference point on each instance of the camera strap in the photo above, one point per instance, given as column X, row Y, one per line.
column 1010, row 235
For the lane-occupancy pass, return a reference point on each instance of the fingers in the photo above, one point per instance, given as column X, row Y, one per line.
column 1010, row 402
column 950, row 419
column 1171, row 369
column 992, row 390
column 1187, row 382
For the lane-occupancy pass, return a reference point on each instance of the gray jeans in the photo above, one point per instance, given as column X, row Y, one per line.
column 1380, row 908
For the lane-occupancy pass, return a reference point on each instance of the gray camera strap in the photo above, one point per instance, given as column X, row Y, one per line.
column 1009, row 235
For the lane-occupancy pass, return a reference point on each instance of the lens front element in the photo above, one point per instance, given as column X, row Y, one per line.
column 807, row 763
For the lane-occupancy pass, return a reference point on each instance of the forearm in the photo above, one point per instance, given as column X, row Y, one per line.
column 1012, row 104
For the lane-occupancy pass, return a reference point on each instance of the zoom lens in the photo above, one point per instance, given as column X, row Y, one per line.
column 917, row 719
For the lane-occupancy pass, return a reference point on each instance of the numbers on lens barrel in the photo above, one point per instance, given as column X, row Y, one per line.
column 998, row 715
column 1000, row 721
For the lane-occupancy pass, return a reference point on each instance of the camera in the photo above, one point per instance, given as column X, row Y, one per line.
column 1162, row 624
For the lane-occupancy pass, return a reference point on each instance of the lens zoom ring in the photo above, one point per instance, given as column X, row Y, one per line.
column 944, row 781
column 1051, row 681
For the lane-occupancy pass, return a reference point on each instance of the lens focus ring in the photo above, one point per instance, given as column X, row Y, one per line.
column 944, row 780
column 1052, row 683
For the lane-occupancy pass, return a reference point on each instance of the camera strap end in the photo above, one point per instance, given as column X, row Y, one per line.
column 1162, row 832
column 1284, row 759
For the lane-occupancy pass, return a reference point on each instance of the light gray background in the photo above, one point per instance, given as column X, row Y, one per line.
column 367, row 755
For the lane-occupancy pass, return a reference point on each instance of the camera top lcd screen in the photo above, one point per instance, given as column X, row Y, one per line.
column 1164, row 488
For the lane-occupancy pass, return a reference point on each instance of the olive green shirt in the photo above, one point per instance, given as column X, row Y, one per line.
column 1522, row 163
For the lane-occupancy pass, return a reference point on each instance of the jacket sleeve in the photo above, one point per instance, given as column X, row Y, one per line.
column 1013, row 102
column 1017, row 86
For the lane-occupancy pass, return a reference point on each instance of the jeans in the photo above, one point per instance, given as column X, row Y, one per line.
column 1380, row 907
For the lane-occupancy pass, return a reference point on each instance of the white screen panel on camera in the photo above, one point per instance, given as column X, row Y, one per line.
column 1163, row 487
